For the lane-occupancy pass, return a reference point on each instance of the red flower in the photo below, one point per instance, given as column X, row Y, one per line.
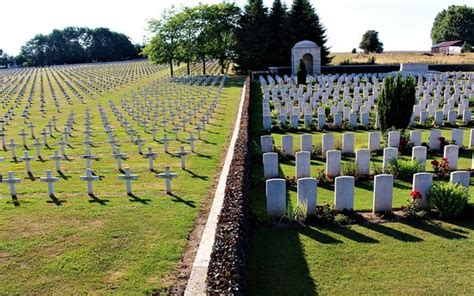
column 415, row 195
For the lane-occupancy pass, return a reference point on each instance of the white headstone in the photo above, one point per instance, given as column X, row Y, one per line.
column 435, row 143
column 348, row 143
column 266, row 143
column 374, row 141
column 287, row 145
column 344, row 193
column 388, row 155
column 451, row 153
column 307, row 143
column 303, row 164
column 270, row 165
column 420, row 153
column 333, row 163
column 422, row 183
column 383, row 193
column 276, row 197
column 307, row 194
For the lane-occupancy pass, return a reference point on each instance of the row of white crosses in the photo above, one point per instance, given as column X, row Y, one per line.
column 276, row 194
column 292, row 102
column 51, row 127
column 89, row 178
column 362, row 156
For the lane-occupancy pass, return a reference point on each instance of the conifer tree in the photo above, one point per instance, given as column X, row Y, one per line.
column 304, row 24
column 252, row 37
column 279, row 53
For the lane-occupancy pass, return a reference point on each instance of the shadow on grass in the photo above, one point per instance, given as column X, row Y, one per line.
column 63, row 176
column 95, row 199
column 55, row 200
column 351, row 234
column 396, row 234
column 435, row 229
column 194, row 175
column 277, row 263
column 318, row 236
column 138, row 199
column 189, row 203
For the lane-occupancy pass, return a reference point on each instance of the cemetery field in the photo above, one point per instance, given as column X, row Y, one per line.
column 423, row 257
column 108, row 241
column 363, row 189
column 403, row 57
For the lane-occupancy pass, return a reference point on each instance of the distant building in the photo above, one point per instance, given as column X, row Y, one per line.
column 448, row 47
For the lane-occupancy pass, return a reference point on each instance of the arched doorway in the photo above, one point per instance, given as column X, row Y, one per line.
column 308, row 60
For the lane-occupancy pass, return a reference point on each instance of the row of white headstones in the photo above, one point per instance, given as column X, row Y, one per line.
column 362, row 156
column 361, row 105
column 276, row 194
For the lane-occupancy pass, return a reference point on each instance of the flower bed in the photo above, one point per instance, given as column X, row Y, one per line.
column 229, row 255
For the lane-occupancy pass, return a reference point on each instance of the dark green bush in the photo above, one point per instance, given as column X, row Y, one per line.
column 395, row 102
column 301, row 74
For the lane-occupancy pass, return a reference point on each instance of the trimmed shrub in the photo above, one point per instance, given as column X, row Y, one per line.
column 448, row 198
column 301, row 74
column 395, row 102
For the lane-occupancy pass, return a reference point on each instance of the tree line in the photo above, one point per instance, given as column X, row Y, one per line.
column 253, row 38
column 73, row 45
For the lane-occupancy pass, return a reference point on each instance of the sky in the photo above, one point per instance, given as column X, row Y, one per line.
column 403, row 25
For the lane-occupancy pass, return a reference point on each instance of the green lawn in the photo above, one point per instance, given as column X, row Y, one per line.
column 114, row 243
column 431, row 258
column 391, row 258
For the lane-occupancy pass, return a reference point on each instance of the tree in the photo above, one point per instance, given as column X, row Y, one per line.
column 466, row 47
column 455, row 23
column 252, row 37
column 279, row 50
column 395, row 102
column 370, row 42
column 76, row 45
column 304, row 24
column 163, row 45
column 5, row 59
column 354, row 50
column 222, row 21
column 301, row 74
column 192, row 34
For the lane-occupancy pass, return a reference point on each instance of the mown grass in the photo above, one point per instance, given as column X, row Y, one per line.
column 423, row 258
column 116, row 243
column 392, row 258
column 403, row 57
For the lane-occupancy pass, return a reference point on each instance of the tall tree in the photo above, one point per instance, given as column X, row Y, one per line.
column 222, row 22
column 370, row 42
column 304, row 24
column 252, row 37
column 279, row 50
column 455, row 23
column 164, row 44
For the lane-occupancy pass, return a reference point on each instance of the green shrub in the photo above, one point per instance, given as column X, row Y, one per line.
column 325, row 214
column 404, row 169
column 299, row 213
column 302, row 72
column 448, row 198
column 395, row 102
column 349, row 168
